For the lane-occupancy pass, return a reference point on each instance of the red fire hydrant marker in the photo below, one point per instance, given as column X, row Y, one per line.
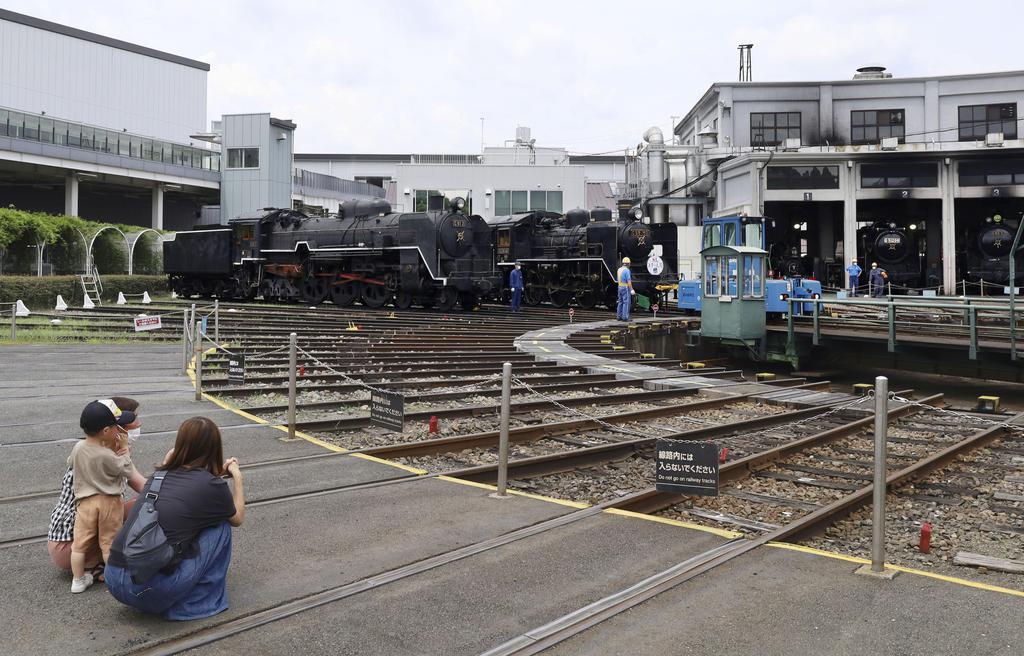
column 433, row 423
column 723, row 454
column 925, row 544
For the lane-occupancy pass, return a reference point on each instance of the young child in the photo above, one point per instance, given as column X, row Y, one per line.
column 99, row 476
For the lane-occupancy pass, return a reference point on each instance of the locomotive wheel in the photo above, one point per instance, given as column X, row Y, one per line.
column 467, row 301
column 374, row 296
column 586, row 299
column 446, row 299
column 532, row 295
column 314, row 290
column 343, row 293
column 403, row 300
column 611, row 298
column 559, row 297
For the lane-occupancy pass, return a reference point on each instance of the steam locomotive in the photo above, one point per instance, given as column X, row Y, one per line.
column 987, row 255
column 897, row 249
column 573, row 258
column 366, row 253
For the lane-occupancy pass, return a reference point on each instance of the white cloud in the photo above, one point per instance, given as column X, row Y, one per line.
column 416, row 76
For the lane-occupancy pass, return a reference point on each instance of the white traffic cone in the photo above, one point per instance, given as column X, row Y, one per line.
column 146, row 300
column 61, row 304
column 174, row 294
column 88, row 304
column 121, row 300
column 21, row 310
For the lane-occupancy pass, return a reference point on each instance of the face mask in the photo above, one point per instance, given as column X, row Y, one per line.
column 134, row 434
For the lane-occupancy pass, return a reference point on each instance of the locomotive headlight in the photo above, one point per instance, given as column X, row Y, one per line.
column 458, row 204
column 988, row 219
column 638, row 213
column 912, row 226
column 892, row 225
column 997, row 218
column 796, row 226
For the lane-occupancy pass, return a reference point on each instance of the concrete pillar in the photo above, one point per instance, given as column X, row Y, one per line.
column 947, row 182
column 71, row 195
column 850, row 214
column 158, row 208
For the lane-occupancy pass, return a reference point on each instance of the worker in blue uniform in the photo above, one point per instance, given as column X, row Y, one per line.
column 515, row 282
column 626, row 291
column 877, row 280
column 854, row 272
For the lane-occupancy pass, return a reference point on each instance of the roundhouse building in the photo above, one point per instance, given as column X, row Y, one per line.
column 833, row 163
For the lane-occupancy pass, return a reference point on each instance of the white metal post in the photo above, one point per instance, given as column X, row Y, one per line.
column 878, row 518
column 293, row 358
column 14, row 321
column 506, row 411
column 216, row 321
column 199, row 369
column 184, row 342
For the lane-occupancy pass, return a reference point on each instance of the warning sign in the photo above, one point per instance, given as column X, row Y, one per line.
column 147, row 323
column 236, row 369
column 387, row 410
column 686, row 467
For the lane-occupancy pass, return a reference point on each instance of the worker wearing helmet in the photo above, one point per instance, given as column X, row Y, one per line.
column 625, row 280
column 854, row 271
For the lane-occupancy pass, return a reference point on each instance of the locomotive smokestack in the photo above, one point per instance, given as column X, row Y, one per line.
column 656, row 170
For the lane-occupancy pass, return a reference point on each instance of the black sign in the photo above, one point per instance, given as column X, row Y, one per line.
column 686, row 467
column 998, row 192
column 387, row 410
column 236, row 369
column 808, row 195
column 901, row 194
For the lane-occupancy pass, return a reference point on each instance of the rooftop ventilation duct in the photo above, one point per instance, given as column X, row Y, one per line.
column 871, row 73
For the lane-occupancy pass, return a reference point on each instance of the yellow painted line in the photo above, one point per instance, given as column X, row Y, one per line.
column 898, row 568
column 528, row 495
column 570, row 357
column 545, row 349
column 675, row 522
column 414, row 470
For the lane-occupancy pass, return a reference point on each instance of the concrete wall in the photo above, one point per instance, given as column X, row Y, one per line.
column 269, row 185
column 78, row 80
column 570, row 180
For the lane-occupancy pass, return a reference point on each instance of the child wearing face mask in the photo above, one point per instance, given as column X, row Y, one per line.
column 101, row 466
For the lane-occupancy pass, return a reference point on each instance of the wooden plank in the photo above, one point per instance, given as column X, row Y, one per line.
column 1006, row 496
column 725, row 518
column 1002, row 528
column 807, row 480
column 1006, row 510
column 831, row 473
column 769, row 499
column 968, row 559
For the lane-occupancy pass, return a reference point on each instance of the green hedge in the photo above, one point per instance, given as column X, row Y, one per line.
column 41, row 293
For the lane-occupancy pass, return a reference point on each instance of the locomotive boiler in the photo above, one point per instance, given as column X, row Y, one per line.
column 573, row 258
column 897, row 249
column 367, row 253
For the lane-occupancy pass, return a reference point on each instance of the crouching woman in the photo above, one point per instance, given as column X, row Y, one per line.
column 196, row 509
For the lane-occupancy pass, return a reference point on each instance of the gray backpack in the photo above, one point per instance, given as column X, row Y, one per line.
column 146, row 550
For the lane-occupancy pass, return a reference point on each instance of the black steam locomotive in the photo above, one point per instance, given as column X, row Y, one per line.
column 986, row 255
column 573, row 258
column 366, row 253
column 897, row 249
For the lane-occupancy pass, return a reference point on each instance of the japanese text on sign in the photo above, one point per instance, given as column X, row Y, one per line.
column 686, row 467
column 236, row 369
column 387, row 410
column 147, row 323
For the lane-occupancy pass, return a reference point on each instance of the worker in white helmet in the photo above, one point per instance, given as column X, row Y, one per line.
column 626, row 291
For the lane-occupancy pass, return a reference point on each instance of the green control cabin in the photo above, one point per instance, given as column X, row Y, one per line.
column 734, row 286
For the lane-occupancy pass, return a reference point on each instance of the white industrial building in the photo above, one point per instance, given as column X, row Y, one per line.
column 824, row 159
column 113, row 131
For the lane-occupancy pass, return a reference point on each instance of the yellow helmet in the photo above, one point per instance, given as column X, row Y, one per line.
column 625, row 260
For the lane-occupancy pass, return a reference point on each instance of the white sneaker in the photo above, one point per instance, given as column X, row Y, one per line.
column 81, row 584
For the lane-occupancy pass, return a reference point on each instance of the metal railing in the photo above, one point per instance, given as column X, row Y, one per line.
column 312, row 182
column 962, row 313
column 45, row 129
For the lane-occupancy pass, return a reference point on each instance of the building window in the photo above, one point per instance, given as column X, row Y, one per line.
column 803, row 177
column 243, row 158
column 889, row 176
column 874, row 125
column 440, row 200
column 770, row 128
column 515, row 202
column 992, row 173
column 975, row 121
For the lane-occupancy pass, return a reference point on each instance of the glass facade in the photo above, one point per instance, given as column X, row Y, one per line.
column 770, row 128
column 975, row 121
column 77, row 135
column 889, row 176
column 803, row 177
column 514, row 202
column 991, row 173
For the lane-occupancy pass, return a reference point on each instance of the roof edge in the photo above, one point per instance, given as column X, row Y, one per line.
column 57, row 28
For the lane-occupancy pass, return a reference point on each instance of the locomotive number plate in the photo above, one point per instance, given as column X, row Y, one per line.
column 655, row 265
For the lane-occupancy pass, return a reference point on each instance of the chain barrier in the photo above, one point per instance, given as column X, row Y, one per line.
column 962, row 415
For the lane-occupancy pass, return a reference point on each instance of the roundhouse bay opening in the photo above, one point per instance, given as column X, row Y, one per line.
column 987, row 213
column 803, row 238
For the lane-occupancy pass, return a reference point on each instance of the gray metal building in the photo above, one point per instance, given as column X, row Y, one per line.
column 824, row 159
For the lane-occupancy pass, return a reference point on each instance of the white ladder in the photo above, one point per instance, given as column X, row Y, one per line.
column 91, row 285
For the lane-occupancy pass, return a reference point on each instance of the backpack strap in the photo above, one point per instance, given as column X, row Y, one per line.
column 154, row 487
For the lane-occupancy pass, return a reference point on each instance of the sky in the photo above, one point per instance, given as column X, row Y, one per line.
column 417, row 76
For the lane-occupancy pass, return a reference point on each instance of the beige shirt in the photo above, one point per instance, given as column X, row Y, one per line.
column 98, row 470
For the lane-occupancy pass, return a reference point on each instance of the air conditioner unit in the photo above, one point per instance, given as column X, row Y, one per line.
column 791, row 145
column 890, row 143
column 994, row 139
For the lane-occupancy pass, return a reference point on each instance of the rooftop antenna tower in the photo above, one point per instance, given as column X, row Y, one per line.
column 745, row 49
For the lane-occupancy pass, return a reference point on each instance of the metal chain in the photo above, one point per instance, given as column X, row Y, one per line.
column 961, row 415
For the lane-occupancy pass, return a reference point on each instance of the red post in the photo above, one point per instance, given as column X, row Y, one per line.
column 433, row 423
column 302, row 370
column 723, row 454
column 926, row 538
